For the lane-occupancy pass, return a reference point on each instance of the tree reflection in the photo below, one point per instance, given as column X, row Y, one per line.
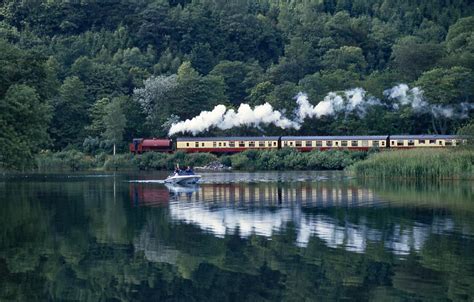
column 72, row 240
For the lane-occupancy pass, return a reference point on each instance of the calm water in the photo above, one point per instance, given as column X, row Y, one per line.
column 292, row 236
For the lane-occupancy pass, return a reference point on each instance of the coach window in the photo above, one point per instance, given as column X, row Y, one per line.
column 400, row 143
column 393, row 143
column 196, row 144
column 319, row 143
column 231, row 144
column 309, row 143
column 187, row 144
column 440, row 143
column 375, row 143
column 448, row 143
column 411, row 142
column 241, row 144
column 421, row 141
column 291, row 144
column 261, row 144
column 337, row 144
column 214, row 144
column 329, row 143
column 220, row 144
column 355, row 143
column 432, row 141
column 344, row 143
column 202, row 144
column 251, row 144
column 382, row 143
column 298, row 143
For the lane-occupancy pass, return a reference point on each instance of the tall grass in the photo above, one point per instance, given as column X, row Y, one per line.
column 418, row 163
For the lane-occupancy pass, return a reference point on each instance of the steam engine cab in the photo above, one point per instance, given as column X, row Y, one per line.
column 140, row 145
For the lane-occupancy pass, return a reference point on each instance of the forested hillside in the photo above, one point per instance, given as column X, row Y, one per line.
column 84, row 74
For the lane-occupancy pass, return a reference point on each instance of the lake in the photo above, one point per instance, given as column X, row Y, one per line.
column 279, row 236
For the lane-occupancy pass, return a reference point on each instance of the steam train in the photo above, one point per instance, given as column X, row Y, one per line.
column 301, row 143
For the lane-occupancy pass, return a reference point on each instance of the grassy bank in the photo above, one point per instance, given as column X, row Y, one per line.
column 431, row 163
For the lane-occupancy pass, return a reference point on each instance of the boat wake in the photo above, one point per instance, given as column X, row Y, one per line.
column 145, row 181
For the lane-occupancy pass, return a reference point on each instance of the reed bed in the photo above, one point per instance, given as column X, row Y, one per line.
column 418, row 163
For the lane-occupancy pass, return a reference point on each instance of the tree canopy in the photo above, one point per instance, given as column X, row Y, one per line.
column 170, row 58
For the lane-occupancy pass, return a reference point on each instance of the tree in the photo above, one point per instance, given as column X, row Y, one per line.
column 412, row 56
column 447, row 89
column 70, row 114
column 202, row 58
column 96, row 116
column 114, row 121
column 157, row 99
column 24, row 120
column 238, row 77
column 347, row 58
column 196, row 93
column 467, row 131
column 460, row 43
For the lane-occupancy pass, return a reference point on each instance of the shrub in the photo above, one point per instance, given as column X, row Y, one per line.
column 70, row 160
column 119, row 162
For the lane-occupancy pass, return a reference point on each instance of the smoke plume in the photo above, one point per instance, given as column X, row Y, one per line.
column 353, row 100
column 403, row 95
column 350, row 101
column 224, row 119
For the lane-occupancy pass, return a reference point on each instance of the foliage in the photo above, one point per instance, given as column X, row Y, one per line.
column 70, row 160
column 289, row 159
column 176, row 58
column 114, row 121
column 24, row 118
column 432, row 163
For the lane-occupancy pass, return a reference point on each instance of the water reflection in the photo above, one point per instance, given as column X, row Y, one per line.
column 265, row 209
column 305, row 236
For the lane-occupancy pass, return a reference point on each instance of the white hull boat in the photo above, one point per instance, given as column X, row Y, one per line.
column 183, row 179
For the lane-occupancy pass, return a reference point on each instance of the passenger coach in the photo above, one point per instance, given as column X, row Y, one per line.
column 308, row 143
column 226, row 144
column 426, row 141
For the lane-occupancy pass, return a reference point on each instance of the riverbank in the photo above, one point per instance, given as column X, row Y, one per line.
column 426, row 163
column 418, row 163
column 251, row 160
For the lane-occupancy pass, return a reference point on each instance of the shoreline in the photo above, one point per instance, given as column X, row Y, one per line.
column 407, row 164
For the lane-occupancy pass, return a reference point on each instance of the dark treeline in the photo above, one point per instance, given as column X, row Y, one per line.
column 89, row 74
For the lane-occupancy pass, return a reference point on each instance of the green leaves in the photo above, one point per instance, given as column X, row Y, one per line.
column 23, row 123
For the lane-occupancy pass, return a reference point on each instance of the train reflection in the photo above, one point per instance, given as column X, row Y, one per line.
column 263, row 209
column 271, row 194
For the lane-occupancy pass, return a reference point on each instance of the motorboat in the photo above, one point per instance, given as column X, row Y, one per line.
column 183, row 178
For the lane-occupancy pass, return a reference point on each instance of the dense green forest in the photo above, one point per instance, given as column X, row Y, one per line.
column 87, row 74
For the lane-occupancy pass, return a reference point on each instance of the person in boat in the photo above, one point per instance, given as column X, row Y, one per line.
column 178, row 171
column 189, row 171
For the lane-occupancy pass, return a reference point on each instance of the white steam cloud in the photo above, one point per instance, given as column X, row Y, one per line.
column 353, row 100
column 350, row 101
column 224, row 119
column 403, row 95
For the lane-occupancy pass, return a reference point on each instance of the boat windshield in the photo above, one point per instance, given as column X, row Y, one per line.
column 183, row 172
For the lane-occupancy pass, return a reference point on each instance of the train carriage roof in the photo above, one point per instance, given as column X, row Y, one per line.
column 309, row 138
column 228, row 138
column 426, row 136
